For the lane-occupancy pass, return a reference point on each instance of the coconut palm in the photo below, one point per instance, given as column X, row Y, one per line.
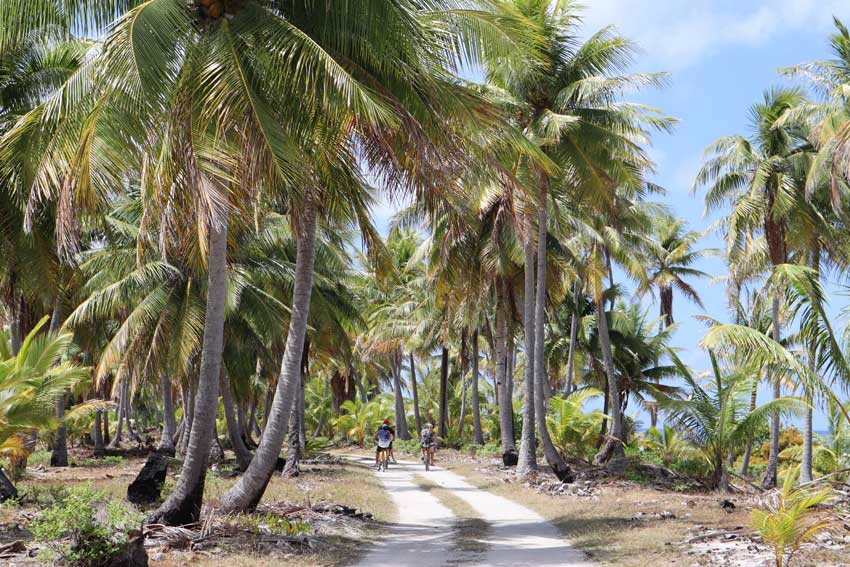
column 757, row 177
column 565, row 102
column 669, row 254
column 31, row 380
column 715, row 416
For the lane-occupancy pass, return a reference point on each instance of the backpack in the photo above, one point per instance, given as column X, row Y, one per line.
column 384, row 438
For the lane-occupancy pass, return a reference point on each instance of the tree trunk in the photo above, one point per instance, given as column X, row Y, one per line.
column 444, row 394
column 505, row 408
column 415, row 390
column 748, row 447
column 243, row 455
column 477, row 432
column 246, row 494
column 59, row 454
column 188, row 392
column 183, row 506
column 97, row 435
column 122, row 396
column 400, row 413
column 612, row 451
column 295, row 444
column 768, row 481
column 166, row 443
column 556, row 462
column 571, row 356
column 528, row 443
column 666, row 300
column 464, row 365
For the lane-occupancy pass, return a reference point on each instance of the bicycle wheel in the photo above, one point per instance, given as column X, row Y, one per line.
column 427, row 460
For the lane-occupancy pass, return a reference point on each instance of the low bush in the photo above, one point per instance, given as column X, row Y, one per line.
column 84, row 527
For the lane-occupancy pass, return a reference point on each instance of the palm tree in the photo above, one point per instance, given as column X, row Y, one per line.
column 716, row 417
column 30, row 382
column 565, row 102
column 669, row 254
column 756, row 176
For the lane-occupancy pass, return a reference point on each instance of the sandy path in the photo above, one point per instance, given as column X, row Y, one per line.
column 427, row 533
column 422, row 528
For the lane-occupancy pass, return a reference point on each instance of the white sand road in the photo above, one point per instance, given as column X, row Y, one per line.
column 427, row 534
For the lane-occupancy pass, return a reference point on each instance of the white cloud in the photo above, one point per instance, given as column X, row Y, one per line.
column 675, row 34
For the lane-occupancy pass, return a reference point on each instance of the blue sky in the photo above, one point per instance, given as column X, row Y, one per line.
column 721, row 56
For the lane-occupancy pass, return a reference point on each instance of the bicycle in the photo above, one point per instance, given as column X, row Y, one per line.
column 428, row 457
column 383, row 458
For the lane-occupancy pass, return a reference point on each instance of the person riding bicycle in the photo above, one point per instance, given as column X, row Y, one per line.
column 428, row 442
column 384, row 437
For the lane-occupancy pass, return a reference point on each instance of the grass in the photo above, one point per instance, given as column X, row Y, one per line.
column 618, row 526
column 608, row 529
column 349, row 484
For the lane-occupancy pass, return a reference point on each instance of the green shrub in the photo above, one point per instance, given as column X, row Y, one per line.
column 410, row 446
column 84, row 527
column 271, row 523
column 91, row 462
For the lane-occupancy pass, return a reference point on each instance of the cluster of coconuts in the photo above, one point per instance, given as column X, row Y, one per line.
column 213, row 8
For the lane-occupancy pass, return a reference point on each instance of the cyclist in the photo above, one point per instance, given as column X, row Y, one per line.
column 392, row 430
column 428, row 442
column 384, row 439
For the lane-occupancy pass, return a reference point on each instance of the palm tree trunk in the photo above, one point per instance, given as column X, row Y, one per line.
column 183, row 506
column 568, row 383
column 806, row 473
column 400, row 413
column 477, row 433
column 243, row 455
column 556, row 462
column 122, row 397
column 246, row 494
column 768, row 481
column 748, row 447
column 59, row 454
column 166, row 443
column 464, row 365
column 506, row 427
column 612, row 451
column 528, row 443
column 294, row 443
column 444, row 392
column 415, row 390
column 188, row 394
column 97, row 435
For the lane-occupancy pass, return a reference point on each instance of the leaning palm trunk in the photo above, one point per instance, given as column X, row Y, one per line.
column 166, row 443
column 506, row 427
column 559, row 466
column 477, row 433
column 528, row 444
column 243, row 455
column 246, row 494
column 612, row 451
column 768, row 481
column 415, row 390
column 183, row 506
